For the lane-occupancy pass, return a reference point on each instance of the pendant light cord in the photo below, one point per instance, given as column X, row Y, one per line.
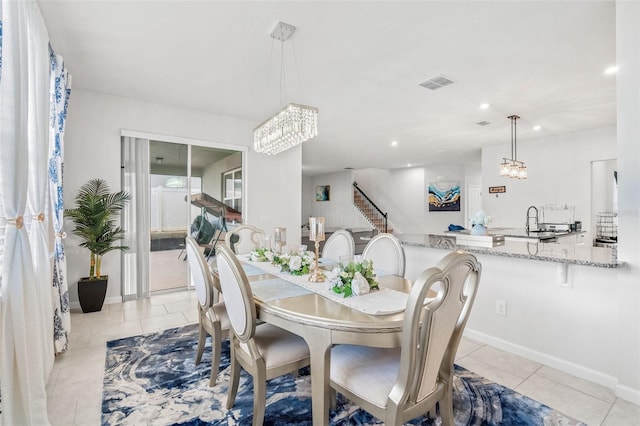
column 283, row 82
column 513, row 158
column 515, row 139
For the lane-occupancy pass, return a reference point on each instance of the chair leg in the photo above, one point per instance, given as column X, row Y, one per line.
column 393, row 415
column 202, row 338
column 333, row 399
column 259, row 397
column 216, row 349
column 234, row 380
column 446, row 408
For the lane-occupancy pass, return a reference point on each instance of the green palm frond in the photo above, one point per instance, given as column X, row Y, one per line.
column 95, row 217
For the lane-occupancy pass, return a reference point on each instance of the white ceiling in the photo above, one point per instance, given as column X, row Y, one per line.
column 360, row 63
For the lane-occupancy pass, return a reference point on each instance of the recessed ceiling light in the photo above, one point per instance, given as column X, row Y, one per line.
column 537, row 127
column 394, row 143
column 408, row 164
column 611, row 70
column 485, row 106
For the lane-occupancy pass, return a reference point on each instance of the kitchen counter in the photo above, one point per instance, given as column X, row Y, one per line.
column 558, row 250
column 520, row 234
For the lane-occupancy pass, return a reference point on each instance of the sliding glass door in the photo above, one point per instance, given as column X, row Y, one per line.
column 169, row 214
column 178, row 189
column 135, row 218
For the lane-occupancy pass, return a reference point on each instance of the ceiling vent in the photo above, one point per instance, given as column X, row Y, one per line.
column 436, row 82
column 483, row 123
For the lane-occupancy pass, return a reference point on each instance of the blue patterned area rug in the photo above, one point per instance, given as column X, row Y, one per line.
column 152, row 379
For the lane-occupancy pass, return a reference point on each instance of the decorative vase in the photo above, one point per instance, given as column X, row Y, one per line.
column 478, row 229
column 91, row 293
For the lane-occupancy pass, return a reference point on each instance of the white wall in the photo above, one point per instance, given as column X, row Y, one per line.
column 339, row 211
column 437, row 222
column 401, row 193
column 570, row 329
column 559, row 169
column 308, row 198
column 92, row 149
column 627, row 288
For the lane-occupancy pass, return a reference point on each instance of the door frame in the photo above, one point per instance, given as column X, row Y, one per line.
column 189, row 142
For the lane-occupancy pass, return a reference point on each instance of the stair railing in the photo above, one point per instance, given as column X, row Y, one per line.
column 381, row 214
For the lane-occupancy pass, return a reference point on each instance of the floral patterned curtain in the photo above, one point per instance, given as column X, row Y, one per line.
column 60, row 92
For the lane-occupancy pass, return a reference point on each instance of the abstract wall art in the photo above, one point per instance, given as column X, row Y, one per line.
column 444, row 196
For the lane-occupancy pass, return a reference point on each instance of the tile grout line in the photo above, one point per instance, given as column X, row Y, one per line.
column 529, row 376
column 578, row 390
column 604, row 419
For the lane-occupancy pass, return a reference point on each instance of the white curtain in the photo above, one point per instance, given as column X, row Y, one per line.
column 60, row 90
column 38, row 182
column 135, row 218
column 26, row 322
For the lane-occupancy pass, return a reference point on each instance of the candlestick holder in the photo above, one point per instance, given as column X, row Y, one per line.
column 280, row 238
column 316, row 234
column 317, row 276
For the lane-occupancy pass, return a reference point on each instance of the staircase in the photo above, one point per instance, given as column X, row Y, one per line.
column 376, row 217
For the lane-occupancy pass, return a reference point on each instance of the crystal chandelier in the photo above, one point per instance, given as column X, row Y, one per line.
column 511, row 167
column 293, row 124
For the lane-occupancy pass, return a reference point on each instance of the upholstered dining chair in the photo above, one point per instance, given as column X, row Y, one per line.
column 244, row 238
column 339, row 243
column 397, row 385
column 387, row 254
column 212, row 314
column 264, row 351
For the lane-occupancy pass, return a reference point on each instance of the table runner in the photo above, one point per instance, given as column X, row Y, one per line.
column 275, row 288
column 383, row 301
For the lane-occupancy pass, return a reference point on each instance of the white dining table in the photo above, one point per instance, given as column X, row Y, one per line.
column 322, row 322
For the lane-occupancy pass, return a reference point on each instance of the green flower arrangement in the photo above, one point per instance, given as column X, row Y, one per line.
column 294, row 263
column 261, row 255
column 354, row 278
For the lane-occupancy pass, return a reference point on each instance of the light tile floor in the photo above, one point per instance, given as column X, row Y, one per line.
column 75, row 384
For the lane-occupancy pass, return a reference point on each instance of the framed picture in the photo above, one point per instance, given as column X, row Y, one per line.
column 323, row 192
column 444, row 196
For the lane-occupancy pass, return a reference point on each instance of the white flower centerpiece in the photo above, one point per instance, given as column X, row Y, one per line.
column 479, row 222
column 296, row 263
column 261, row 255
column 353, row 279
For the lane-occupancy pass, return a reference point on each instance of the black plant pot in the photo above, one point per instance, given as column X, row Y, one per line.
column 91, row 293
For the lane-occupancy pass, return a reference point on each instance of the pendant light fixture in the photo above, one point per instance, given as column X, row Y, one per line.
column 511, row 167
column 292, row 125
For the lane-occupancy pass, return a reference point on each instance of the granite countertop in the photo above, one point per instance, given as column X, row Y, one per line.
column 556, row 251
column 520, row 234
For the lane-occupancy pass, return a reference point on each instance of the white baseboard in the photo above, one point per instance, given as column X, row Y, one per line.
column 577, row 370
column 628, row 394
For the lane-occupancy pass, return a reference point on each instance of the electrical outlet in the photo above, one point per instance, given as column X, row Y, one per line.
column 501, row 308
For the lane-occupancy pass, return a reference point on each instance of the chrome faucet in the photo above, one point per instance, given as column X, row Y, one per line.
column 531, row 217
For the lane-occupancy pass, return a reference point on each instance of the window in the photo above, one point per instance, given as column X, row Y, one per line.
column 232, row 188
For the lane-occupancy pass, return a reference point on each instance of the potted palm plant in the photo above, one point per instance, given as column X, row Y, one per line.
column 94, row 216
